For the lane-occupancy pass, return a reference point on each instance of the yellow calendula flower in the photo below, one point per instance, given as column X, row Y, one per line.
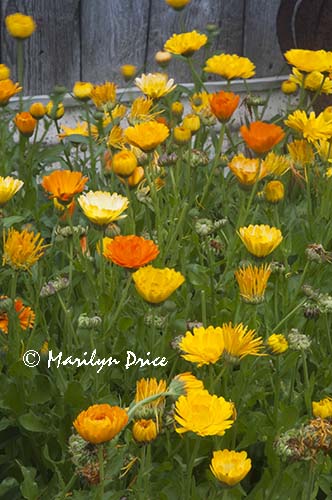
column 117, row 113
column 288, row 87
column 277, row 343
column 4, row 72
column 37, row 110
column 189, row 382
column 155, row 85
column 309, row 60
column 162, row 58
column 7, row 90
column 324, row 149
column 322, row 408
column 260, row 240
column 156, row 285
column 102, row 207
column 247, row 170
column 100, row 423
column 116, row 138
column 192, row 122
column 230, row 467
column 124, row 163
column 185, row 44
column 8, row 188
column 252, row 281
column 104, row 96
column 55, row 114
column 203, row 413
column 204, row 346
column 277, row 164
column 19, row 25
column 146, row 387
column 274, row 191
column 301, row 152
column 142, row 110
column 147, row 136
column 314, row 81
column 240, row 342
column 145, row 431
column 80, row 129
column 82, row 90
column 328, row 172
column 312, row 128
column 230, row 66
column 128, row 71
column 177, row 4
column 22, row 249
column 181, row 135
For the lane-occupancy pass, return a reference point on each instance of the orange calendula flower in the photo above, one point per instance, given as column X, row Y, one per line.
column 8, row 188
column 185, row 44
column 240, row 342
column 262, row 136
column 155, row 85
column 26, row 315
column 204, row 346
column 7, row 90
column 177, row 4
column 102, row 207
column 100, row 423
column 156, row 285
column 252, row 281
column 223, row 104
column 203, row 413
column 230, row 467
column 64, row 184
column 19, row 25
column 145, row 431
column 22, row 249
column 104, row 95
column 230, row 66
column 260, row 240
column 25, row 123
column 247, row 170
column 147, row 136
column 130, row 251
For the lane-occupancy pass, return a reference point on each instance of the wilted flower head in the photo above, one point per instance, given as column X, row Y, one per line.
column 9, row 186
column 22, row 249
column 317, row 253
column 203, row 413
column 260, row 240
column 298, row 341
column 230, row 66
column 252, row 281
column 277, row 343
column 102, row 207
column 156, row 285
column 54, row 286
column 155, row 85
column 185, row 44
column 203, row 346
column 100, row 423
column 230, row 467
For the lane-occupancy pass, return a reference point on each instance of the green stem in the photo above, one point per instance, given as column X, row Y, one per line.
column 306, row 384
column 203, row 306
column 276, row 391
column 101, row 472
column 120, row 304
column 276, row 328
column 190, row 469
column 20, row 69
column 215, row 163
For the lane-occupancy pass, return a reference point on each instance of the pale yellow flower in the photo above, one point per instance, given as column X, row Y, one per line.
column 155, row 85
column 301, row 152
column 8, row 188
column 247, row 170
column 277, row 164
column 102, row 207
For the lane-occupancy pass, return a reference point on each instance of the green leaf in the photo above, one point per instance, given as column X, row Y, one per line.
column 7, row 486
column 75, row 396
column 13, row 219
column 29, row 488
column 32, row 423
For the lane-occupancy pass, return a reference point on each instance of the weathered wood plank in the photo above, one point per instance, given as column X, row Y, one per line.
column 164, row 21
column 52, row 53
column 113, row 33
column 260, row 37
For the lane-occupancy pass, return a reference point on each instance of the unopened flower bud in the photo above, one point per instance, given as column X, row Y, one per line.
column 90, row 323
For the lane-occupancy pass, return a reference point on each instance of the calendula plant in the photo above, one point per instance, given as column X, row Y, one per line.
column 165, row 303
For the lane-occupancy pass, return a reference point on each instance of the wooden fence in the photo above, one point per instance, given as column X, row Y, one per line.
column 90, row 39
